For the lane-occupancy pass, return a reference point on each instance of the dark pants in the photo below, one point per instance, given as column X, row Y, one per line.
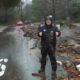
column 50, row 51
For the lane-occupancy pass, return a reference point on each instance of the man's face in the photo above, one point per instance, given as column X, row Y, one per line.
column 48, row 22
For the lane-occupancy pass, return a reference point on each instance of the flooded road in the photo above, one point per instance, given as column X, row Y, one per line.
column 13, row 46
column 23, row 60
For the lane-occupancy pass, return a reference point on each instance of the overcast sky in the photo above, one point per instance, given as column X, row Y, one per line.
column 27, row 1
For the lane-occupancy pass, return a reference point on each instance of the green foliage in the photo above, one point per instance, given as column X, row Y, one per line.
column 75, row 10
column 41, row 8
column 7, row 13
column 61, row 8
column 9, row 3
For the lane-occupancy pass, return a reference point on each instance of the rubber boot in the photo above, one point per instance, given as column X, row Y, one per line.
column 42, row 72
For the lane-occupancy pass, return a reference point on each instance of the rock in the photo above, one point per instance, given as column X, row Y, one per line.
column 78, row 67
column 60, row 63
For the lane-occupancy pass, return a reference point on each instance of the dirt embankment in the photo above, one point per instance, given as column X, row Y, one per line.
column 31, row 32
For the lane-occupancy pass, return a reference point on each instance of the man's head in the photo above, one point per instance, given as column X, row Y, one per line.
column 48, row 20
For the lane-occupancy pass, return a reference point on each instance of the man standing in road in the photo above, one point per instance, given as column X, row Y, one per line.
column 48, row 34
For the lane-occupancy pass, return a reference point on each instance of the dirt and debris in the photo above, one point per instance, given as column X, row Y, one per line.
column 67, row 49
column 71, row 52
column 31, row 32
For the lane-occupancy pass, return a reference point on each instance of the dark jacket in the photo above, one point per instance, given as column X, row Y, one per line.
column 48, row 35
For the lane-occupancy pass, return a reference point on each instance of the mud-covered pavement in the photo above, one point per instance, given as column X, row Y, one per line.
column 23, row 55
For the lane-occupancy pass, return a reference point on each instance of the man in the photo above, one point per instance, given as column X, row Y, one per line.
column 48, row 34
